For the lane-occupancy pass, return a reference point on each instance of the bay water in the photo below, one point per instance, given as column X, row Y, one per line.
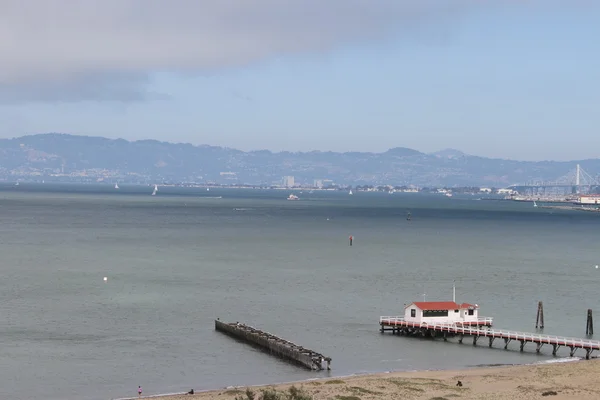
column 176, row 261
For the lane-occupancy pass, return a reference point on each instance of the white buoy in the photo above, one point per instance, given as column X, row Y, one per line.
column 105, row 279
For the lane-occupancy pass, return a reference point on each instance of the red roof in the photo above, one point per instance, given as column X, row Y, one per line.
column 442, row 305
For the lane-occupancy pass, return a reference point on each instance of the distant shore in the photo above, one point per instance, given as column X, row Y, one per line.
column 557, row 381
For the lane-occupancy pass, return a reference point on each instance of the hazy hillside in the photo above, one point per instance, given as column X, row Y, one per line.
column 47, row 154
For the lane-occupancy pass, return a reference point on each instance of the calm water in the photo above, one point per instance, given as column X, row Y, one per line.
column 178, row 260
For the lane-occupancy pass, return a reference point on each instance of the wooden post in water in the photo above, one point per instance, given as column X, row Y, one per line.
column 589, row 327
column 539, row 321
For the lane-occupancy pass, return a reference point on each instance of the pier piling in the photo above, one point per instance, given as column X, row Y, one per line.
column 555, row 348
column 589, row 327
column 274, row 345
column 539, row 321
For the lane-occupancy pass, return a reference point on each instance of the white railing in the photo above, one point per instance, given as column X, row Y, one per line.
column 498, row 333
column 391, row 319
column 516, row 335
column 480, row 320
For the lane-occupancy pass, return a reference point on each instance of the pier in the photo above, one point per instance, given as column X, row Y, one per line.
column 399, row 325
column 274, row 345
column 572, row 208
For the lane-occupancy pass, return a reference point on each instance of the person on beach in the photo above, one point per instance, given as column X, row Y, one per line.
column 139, row 391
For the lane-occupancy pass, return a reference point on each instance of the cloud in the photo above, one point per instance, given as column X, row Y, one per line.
column 81, row 86
column 105, row 50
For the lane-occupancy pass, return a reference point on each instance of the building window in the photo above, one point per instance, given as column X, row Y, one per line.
column 455, row 310
column 413, row 313
column 435, row 313
column 471, row 312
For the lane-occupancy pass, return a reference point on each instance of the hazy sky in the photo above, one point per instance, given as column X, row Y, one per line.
column 519, row 79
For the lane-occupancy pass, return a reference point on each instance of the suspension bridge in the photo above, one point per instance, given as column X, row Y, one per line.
column 575, row 181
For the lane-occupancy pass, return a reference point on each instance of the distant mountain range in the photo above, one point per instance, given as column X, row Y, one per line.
column 56, row 155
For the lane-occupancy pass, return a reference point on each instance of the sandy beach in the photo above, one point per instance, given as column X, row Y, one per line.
column 568, row 380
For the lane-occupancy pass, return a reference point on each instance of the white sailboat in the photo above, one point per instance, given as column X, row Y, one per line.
column 350, row 192
column 116, row 185
column 155, row 190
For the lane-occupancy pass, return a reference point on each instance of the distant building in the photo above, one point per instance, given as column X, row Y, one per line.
column 228, row 175
column 318, row 183
column 589, row 199
column 288, row 181
column 507, row 191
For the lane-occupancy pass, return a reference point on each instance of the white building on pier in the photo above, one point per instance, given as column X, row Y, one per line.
column 442, row 312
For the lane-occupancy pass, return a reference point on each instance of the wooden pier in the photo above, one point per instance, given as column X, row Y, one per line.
column 398, row 325
column 274, row 345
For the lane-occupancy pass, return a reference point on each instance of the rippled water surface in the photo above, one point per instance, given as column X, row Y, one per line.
column 176, row 261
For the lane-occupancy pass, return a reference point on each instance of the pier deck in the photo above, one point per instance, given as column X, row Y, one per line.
column 274, row 345
column 400, row 326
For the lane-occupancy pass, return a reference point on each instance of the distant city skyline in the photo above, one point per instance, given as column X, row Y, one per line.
column 511, row 80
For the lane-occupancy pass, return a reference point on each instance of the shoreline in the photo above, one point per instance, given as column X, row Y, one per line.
column 561, row 378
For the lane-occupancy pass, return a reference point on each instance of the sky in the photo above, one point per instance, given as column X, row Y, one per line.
column 503, row 78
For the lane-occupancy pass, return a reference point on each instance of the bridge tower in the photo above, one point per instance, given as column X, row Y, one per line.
column 576, row 181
